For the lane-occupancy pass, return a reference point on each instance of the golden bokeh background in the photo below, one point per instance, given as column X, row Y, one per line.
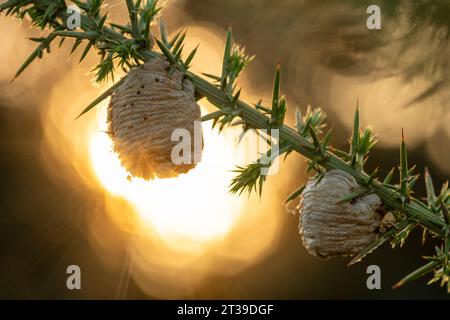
column 179, row 237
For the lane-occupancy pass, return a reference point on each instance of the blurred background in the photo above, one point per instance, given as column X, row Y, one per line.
column 65, row 199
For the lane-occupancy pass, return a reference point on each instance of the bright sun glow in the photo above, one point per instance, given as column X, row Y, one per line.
column 196, row 205
column 175, row 232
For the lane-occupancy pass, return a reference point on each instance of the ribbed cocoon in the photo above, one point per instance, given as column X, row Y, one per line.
column 331, row 229
column 144, row 112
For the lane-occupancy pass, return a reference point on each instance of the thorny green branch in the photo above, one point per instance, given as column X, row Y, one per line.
column 128, row 45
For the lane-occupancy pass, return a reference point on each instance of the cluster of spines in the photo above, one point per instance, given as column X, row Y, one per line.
column 128, row 45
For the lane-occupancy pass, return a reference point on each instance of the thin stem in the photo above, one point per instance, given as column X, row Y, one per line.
column 133, row 18
column 256, row 119
column 389, row 197
column 127, row 45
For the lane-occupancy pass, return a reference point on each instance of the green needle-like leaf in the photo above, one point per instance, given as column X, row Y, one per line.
column 340, row 153
column 226, row 60
column 86, row 51
column 402, row 235
column 295, row 194
column 102, row 97
column 176, row 47
column 326, row 140
column 212, row 115
column 298, row 120
column 259, row 106
column 445, row 212
column 403, row 169
column 236, row 97
column 178, row 54
column 388, row 178
column 123, row 29
column 214, row 77
column 37, row 53
column 61, row 42
column 75, row 45
column 430, row 266
column 355, row 136
column 431, row 193
column 282, row 108
column 133, row 19
column 166, row 52
column 352, row 196
column 306, row 126
column 315, row 138
column 247, row 179
column 174, row 39
column 373, row 176
column 188, row 60
column 276, row 93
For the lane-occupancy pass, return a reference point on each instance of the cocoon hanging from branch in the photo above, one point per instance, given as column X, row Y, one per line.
column 145, row 111
column 332, row 228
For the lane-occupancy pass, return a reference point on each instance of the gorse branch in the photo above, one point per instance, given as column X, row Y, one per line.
column 125, row 46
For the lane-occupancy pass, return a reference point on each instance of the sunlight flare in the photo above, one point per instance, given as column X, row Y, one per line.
column 196, row 205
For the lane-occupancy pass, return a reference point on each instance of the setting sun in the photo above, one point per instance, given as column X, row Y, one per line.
column 189, row 226
column 196, row 205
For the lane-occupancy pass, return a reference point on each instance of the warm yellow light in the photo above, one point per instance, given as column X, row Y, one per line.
column 194, row 206
column 168, row 235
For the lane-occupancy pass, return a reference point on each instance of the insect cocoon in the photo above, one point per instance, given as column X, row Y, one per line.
column 329, row 228
column 143, row 114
